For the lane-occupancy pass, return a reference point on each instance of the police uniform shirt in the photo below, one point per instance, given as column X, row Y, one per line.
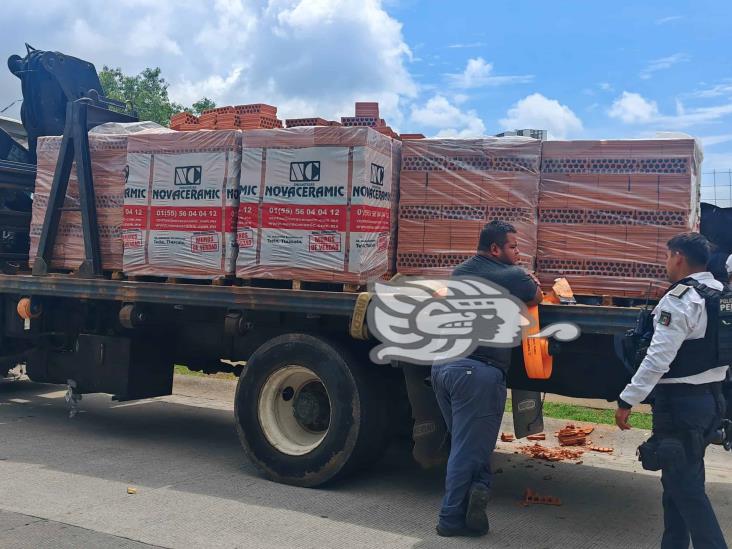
column 675, row 319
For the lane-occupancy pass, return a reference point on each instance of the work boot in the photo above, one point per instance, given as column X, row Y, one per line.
column 476, row 518
column 463, row 531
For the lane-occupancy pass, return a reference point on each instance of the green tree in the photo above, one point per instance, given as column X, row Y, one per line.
column 201, row 105
column 147, row 93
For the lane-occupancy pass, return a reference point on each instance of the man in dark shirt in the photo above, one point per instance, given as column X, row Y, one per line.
column 471, row 391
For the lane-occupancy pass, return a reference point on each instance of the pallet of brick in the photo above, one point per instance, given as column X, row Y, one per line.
column 607, row 209
column 450, row 188
column 180, row 204
column 108, row 154
column 315, row 204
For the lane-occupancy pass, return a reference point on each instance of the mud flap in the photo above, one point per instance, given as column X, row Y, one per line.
column 528, row 418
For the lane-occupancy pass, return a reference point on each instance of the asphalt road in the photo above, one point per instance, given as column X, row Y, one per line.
column 64, row 483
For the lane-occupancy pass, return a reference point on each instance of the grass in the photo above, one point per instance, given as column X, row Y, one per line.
column 183, row 371
column 589, row 415
column 555, row 410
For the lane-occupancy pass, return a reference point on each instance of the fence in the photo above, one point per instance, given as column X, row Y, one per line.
column 717, row 188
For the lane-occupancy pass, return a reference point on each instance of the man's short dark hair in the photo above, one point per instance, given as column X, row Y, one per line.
column 693, row 246
column 494, row 233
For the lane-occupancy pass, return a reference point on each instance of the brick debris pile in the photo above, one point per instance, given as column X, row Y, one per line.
column 108, row 153
column 607, row 209
column 450, row 188
column 316, row 204
column 180, row 204
column 245, row 117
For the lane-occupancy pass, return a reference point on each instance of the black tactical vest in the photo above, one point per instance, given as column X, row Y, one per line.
column 696, row 356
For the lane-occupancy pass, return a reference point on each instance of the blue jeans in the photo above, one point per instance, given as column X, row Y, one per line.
column 687, row 511
column 472, row 397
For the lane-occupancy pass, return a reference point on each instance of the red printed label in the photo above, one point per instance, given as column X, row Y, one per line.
column 204, row 243
column 166, row 218
column 304, row 218
column 245, row 239
column 248, row 215
column 325, row 243
column 382, row 243
column 132, row 239
column 134, row 217
column 230, row 213
column 370, row 219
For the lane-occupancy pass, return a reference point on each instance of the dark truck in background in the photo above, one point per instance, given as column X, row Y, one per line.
column 310, row 406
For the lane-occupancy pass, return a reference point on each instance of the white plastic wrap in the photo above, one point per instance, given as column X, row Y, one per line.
column 181, row 199
column 108, row 152
column 607, row 209
column 316, row 204
column 450, row 188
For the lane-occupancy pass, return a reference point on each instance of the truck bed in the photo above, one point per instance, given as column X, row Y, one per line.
column 592, row 319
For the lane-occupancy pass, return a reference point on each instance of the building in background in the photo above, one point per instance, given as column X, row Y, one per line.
column 535, row 134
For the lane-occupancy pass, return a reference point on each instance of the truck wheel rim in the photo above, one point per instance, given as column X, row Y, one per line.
column 294, row 410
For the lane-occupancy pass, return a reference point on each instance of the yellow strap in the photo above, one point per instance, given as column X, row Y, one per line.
column 358, row 319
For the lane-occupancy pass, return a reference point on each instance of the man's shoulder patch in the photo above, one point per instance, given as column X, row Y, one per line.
column 664, row 319
column 679, row 290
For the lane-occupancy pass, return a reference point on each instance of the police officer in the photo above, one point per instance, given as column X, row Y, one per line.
column 471, row 391
column 681, row 369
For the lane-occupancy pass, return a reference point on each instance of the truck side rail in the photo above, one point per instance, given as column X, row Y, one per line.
column 591, row 319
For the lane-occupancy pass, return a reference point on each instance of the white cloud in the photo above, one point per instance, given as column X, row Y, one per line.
column 632, row 108
column 307, row 57
column 467, row 45
column 539, row 112
column 718, row 90
column 711, row 140
column 669, row 19
column 449, row 121
column 605, row 86
column 663, row 63
column 478, row 73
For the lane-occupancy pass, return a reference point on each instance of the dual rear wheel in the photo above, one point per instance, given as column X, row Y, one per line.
column 308, row 412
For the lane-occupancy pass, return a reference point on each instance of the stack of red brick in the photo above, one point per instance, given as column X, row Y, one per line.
column 313, row 121
column 245, row 117
column 316, row 204
column 367, row 115
column 607, row 209
column 449, row 189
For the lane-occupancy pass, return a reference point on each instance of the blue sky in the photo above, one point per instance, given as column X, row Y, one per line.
column 579, row 69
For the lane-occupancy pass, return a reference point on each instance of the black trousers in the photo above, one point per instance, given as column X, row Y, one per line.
column 687, row 511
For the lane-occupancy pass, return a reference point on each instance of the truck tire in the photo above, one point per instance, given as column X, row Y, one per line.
column 307, row 411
